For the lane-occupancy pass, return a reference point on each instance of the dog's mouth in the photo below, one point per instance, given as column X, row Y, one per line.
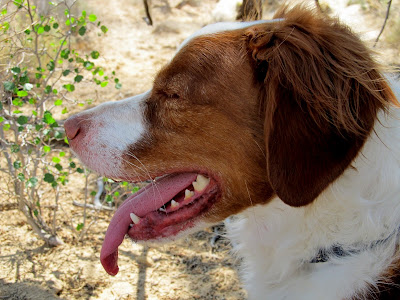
column 167, row 206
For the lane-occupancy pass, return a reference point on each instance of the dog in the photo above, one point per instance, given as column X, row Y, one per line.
column 287, row 127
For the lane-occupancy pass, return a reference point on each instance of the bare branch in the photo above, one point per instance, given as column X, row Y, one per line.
column 384, row 23
column 148, row 18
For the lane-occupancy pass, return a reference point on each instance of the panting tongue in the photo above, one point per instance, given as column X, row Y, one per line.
column 149, row 199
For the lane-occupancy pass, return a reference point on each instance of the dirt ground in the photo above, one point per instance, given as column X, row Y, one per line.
column 193, row 268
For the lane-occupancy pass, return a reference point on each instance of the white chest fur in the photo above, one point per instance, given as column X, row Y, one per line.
column 277, row 242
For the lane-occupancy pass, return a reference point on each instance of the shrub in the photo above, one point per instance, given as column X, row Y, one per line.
column 40, row 70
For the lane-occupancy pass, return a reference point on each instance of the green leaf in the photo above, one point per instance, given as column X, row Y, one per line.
column 1, row 105
column 78, row 78
column 17, row 164
column 6, row 127
column 15, row 70
column 36, row 212
column 24, row 78
column 109, row 198
column 32, row 101
column 51, row 66
column 95, row 54
column 70, row 21
column 47, row 89
column 48, row 118
column 22, row 93
column 62, row 154
column 38, row 75
column 66, row 72
column 40, row 29
column 32, row 182
column 65, row 53
column 22, row 120
column 48, row 178
column 135, row 189
column 104, row 84
column 55, row 25
column 83, row 13
column 58, row 135
column 88, row 65
column 27, row 31
column 18, row 102
column 82, row 31
column 46, row 149
column 64, row 111
column 58, row 167
column 104, row 29
column 47, row 28
column 9, row 85
column 56, row 159
column 72, row 165
column 58, row 102
column 118, row 86
column 92, row 18
column 1, row 119
column 4, row 11
column 79, row 170
column 79, row 227
column 18, row 3
column 21, row 176
column 69, row 87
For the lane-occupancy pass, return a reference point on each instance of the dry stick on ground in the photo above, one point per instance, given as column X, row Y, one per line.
column 250, row 10
column 148, row 19
column 384, row 23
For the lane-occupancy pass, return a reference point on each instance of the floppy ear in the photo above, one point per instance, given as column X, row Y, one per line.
column 321, row 91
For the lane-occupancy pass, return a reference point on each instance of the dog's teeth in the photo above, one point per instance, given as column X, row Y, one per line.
column 162, row 209
column 201, row 183
column 135, row 219
column 188, row 194
column 174, row 203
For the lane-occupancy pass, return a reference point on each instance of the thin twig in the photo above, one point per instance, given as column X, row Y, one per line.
column 384, row 23
column 148, row 19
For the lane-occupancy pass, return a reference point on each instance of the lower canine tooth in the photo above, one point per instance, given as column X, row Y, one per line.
column 174, row 203
column 201, row 183
column 188, row 194
column 135, row 219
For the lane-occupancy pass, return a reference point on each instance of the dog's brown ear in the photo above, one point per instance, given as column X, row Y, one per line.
column 321, row 91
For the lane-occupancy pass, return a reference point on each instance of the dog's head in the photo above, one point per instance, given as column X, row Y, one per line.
column 237, row 117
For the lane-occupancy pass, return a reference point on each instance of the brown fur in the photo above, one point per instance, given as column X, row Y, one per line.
column 309, row 77
column 322, row 93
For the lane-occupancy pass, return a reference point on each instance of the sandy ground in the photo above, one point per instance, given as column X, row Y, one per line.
column 193, row 268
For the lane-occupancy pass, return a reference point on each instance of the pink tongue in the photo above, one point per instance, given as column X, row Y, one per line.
column 149, row 199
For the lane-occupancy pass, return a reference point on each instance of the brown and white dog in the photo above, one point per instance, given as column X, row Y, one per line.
column 286, row 125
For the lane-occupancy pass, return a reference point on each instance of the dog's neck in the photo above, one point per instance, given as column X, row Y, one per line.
column 279, row 242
